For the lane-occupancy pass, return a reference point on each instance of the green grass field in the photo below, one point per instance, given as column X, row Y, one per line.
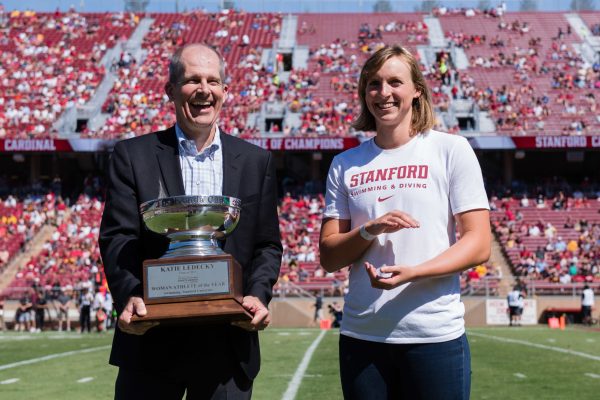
column 518, row 363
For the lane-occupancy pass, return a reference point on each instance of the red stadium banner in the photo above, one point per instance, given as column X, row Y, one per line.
column 557, row 142
column 308, row 144
column 95, row 145
column 305, row 144
column 55, row 145
column 34, row 145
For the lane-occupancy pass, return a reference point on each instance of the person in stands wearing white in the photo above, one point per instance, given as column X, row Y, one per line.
column 392, row 205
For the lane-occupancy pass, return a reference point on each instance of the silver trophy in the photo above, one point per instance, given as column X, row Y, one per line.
column 192, row 223
column 194, row 282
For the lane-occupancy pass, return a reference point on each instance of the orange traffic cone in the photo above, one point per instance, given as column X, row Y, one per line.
column 553, row 323
column 325, row 324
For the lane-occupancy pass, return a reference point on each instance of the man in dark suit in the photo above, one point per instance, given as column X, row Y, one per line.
column 194, row 157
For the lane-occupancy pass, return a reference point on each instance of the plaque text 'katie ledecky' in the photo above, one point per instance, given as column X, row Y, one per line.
column 187, row 279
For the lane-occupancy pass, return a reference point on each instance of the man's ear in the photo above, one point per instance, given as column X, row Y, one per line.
column 169, row 90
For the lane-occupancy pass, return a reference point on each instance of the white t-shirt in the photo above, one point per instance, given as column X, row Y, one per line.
column 515, row 299
column 432, row 177
column 587, row 297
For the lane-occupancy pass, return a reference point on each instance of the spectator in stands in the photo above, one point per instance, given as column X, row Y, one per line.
column 560, row 245
column 568, row 223
column 169, row 163
column 401, row 296
column 534, row 230
column 540, row 201
column 549, row 231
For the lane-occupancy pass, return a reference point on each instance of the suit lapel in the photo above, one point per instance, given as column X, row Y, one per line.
column 167, row 154
column 231, row 168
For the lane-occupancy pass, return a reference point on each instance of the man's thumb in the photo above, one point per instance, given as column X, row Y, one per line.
column 139, row 307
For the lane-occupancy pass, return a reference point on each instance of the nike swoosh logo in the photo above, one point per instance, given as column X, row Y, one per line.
column 380, row 199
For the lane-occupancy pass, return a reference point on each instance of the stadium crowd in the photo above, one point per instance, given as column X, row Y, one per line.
column 540, row 235
column 22, row 219
column 137, row 104
column 50, row 62
column 555, row 238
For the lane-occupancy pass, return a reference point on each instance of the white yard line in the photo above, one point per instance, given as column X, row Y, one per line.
column 9, row 381
column 520, row 375
column 86, row 379
column 536, row 345
column 595, row 376
column 294, row 385
column 52, row 356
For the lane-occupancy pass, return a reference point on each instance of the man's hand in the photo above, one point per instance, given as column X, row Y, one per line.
column 135, row 306
column 261, row 319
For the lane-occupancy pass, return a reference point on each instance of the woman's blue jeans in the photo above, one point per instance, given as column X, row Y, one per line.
column 382, row 371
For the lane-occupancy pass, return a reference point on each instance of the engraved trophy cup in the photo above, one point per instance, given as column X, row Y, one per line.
column 195, row 281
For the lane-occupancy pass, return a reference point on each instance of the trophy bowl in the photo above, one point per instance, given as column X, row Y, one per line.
column 192, row 223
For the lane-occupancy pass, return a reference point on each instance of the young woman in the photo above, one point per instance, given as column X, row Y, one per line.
column 392, row 205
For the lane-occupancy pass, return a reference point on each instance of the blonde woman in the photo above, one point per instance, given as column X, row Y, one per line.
column 392, row 205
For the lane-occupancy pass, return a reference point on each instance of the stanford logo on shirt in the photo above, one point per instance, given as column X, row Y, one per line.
column 388, row 174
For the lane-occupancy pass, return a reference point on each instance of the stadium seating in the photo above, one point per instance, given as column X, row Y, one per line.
column 524, row 69
column 137, row 103
column 50, row 62
column 20, row 220
column 70, row 257
column 527, row 73
column 550, row 241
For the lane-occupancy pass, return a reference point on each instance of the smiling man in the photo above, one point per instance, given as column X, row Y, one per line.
column 192, row 158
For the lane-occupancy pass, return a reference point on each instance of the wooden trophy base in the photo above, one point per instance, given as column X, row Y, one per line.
column 193, row 290
column 195, row 312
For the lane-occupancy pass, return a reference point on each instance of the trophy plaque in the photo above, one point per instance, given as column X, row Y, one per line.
column 194, row 282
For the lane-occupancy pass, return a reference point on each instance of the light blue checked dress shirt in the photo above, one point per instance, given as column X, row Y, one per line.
column 202, row 172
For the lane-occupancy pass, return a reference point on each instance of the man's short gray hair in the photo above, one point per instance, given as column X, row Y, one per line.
column 176, row 69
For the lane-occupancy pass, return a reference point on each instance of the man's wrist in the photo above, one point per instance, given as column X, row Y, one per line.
column 365, row 234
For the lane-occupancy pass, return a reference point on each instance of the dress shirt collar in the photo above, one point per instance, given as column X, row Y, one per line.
column 188, row 147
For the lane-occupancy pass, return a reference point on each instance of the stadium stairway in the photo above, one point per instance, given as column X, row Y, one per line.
column 436, row 33
column 581, row 29
column 498, row 259
column 590, row 44
column 287, row 38
column 35, row 246
column 92, row 110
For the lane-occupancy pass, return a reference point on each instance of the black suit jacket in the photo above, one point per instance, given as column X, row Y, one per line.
column 147, row 167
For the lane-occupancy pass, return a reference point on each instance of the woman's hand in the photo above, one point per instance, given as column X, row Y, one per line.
column 391, row 222
column 389, row 277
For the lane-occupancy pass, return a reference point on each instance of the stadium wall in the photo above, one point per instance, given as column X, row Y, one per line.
column 298, row 313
